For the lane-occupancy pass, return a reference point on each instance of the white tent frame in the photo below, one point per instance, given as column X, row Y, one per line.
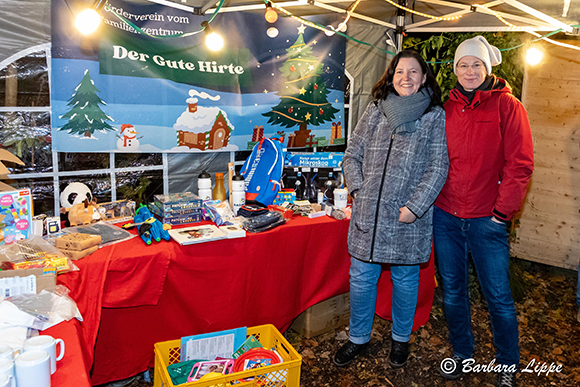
column 537, row 21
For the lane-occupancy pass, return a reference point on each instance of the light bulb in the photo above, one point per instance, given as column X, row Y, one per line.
column 271, row 15
column 87, row 21
column 214, row 42
column 272, row 32
column 329, row 31
column 534, row 56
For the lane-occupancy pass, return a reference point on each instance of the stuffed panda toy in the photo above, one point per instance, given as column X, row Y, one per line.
column 72, row 194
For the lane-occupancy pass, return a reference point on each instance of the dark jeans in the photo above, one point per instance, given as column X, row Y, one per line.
column 488, row 242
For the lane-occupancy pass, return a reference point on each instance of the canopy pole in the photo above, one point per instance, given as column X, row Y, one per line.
column 400, row 25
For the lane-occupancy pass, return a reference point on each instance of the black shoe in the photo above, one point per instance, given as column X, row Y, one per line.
column 347, row 353
column 399, row 354
column 506, row 379
column 452, row 368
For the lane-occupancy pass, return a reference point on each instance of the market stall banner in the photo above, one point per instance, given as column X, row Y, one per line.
column 146, row 82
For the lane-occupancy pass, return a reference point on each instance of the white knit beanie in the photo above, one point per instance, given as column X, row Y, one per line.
column 479, row 48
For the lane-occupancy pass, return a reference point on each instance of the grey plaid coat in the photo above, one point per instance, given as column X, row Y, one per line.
column 412, row 176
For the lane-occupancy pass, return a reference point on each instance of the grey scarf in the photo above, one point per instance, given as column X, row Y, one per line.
column 402, row 112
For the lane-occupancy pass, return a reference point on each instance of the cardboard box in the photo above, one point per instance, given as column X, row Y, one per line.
column 192, row 215
column 45, row 278
column 77, row 241
column 118, row 211
column 177, row 202
column 323, row 317
column 75, row 255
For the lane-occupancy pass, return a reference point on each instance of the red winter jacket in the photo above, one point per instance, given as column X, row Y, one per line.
column 490, row 154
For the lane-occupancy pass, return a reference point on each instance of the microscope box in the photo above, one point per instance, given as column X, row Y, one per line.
column 314, row 159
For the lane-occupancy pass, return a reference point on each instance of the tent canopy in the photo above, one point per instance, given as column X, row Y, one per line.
column 535, row 15
column 26, row 23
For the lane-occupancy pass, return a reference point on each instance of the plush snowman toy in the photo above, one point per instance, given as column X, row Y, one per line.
column 128, row 138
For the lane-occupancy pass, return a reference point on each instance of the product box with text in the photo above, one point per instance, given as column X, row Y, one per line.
column 15, row 215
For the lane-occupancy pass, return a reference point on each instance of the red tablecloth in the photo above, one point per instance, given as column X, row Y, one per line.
column 132, row 295
column 71, row 370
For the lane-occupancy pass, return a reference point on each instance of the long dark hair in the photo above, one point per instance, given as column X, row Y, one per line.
column 385, row 85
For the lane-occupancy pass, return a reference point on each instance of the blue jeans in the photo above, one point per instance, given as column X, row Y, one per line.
column 578, row 289
column 363, row 299
column 488, row 243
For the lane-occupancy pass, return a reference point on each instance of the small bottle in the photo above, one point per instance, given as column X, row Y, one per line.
column 204, row 186
column 238, row 193
column 219, row 190
column 298, row 189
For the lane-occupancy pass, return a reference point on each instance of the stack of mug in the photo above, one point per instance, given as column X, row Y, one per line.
column 32, row 365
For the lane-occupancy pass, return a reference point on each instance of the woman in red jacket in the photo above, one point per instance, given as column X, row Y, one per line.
column 490, row 163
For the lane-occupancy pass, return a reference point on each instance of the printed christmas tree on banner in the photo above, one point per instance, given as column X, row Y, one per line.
column 85, row 115
column 303, row 98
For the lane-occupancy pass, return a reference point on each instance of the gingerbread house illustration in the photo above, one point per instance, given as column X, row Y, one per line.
column 203, row 128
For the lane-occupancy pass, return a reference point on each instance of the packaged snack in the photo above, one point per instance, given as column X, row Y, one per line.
column 34, row 253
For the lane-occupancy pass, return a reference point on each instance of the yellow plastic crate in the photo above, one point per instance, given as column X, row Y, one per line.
column 285, row 374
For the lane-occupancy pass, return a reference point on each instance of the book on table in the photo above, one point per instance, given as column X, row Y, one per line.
column 233, row 231
column 197, row 234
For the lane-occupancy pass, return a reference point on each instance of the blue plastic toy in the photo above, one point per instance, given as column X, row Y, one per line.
column 150, row 229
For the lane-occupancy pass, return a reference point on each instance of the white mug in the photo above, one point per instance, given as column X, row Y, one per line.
column 6, row 351
column 47, row 343
column 32, row 369
column 6, row 366
column 340, row 197
column 7, row 381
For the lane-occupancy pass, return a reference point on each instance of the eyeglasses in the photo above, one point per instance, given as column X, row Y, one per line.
column 475, row 66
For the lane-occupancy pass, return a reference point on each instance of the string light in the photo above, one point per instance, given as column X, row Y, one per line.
column 271, row 15
column 534, row 56
column 500, row 18
column 449, row 18
column 554, row 42
column 303, row 21
column 329, row 30
column 212, row 40
column 88, row 20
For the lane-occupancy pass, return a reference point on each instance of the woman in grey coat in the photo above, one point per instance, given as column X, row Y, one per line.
column 395, row 165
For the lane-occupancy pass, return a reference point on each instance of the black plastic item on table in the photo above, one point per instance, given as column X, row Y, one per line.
column 250, row 210
column 264, row 222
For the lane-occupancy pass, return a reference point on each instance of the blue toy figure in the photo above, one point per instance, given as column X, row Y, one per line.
column 150, row 229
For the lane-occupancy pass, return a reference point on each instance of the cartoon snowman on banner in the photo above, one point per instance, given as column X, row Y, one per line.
column 128, row 138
